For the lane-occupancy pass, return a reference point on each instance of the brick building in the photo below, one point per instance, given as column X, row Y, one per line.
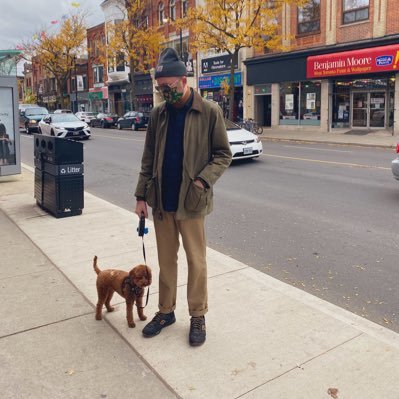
column 162, row 15
column 340, row 72
column 96, row 70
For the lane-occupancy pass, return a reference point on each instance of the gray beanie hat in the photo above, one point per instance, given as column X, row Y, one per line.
column 169, row 64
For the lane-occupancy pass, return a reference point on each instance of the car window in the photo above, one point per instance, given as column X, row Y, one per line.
column 36, row 111
column 231, row 125
column 57, row 118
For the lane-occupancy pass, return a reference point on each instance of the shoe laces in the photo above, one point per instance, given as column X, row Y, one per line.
column 196, row 323
column 158, row 317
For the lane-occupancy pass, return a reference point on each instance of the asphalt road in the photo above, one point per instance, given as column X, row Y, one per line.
column 320, row 217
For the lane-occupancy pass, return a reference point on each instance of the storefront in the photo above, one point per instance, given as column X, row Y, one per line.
column 364, row 102
column 144, row 92
column 211, row 88
column 98, row 100
column 215, row 78
column 351, row 89
column 79, row 101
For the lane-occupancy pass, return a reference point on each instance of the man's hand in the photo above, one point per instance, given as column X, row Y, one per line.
column 199, row 183
column 141, row 207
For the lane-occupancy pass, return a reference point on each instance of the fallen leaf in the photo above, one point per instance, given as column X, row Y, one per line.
column 333, row 392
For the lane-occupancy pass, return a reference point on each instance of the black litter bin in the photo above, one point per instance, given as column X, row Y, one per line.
column 59, row 184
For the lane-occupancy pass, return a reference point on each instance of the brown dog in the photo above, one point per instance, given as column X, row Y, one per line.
column 128, row 285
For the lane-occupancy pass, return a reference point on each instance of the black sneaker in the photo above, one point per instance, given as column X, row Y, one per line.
column 197, row 331
column 159, row 321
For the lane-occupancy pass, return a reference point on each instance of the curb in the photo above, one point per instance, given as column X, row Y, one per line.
column 315, row 141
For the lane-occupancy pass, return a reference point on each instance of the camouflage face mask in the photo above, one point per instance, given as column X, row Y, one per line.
column 171, row 95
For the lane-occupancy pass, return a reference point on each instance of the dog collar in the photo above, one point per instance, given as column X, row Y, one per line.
column 133, row 288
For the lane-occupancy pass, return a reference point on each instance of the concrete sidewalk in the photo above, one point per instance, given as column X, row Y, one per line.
column 374, row 138
column 266, row 339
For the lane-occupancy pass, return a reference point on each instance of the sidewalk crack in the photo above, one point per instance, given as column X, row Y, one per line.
column 300, row 366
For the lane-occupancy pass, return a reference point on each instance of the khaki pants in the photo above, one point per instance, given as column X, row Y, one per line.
column 192, row 231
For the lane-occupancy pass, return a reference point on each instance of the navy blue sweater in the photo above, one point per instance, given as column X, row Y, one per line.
column 172, row 167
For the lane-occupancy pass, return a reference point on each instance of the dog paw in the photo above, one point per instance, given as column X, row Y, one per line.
column 98, row 317
column 142, row 318
column 110, row 309
column 131, row 325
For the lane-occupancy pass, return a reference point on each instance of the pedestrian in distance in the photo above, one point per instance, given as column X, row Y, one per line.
column 186, row 150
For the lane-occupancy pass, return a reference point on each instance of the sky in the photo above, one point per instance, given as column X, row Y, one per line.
column 21, row 19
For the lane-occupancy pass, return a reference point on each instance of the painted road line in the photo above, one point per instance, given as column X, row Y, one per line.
column 315, row 149
column 354, row 165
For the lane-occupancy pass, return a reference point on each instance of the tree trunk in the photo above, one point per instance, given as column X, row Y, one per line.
column 133, row 97
column 60, row 94
column 234, row 60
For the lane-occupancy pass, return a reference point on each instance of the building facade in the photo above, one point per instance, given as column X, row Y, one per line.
column 119, row 73
column 78, row 88
column 96, row 70
column 341, row 70
column 162, row 15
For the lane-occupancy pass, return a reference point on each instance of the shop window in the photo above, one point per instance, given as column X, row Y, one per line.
column 300, row 103
column 289, row 96
column 309, row 17
column 310, row 103
column 355, row 10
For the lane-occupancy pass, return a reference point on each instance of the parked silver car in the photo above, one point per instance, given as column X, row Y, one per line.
column 395, row 164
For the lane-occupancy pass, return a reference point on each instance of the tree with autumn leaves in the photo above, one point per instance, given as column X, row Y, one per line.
column 133, row 41
column 57, row 51
column 230, row 25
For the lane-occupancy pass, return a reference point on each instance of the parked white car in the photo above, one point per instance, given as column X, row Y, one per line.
column 243, row 144
column 86, row 116
column 65, row 126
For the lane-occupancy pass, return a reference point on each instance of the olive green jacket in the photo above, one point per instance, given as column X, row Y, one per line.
column 206, row 155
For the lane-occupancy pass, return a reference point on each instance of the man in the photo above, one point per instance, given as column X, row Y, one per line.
column 186, row 151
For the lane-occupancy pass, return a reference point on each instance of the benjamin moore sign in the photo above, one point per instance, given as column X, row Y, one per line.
column 371, row 60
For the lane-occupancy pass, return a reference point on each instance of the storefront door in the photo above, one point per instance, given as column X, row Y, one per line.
column 368, row 109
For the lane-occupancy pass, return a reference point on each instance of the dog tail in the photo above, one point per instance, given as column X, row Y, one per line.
column 96, row 269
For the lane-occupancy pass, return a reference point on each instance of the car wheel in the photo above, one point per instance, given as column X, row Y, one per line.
column 134, row 127
column 119, row 126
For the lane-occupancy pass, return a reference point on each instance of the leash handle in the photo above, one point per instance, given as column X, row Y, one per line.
column 141, row 229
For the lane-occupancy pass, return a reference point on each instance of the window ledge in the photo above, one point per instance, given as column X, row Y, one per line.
column 366, row 21
column 314, row 33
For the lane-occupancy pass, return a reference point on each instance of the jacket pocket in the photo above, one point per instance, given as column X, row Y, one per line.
column 151, row 193
column 196, row 198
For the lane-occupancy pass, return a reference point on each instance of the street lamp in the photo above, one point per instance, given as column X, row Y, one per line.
column 76, row 85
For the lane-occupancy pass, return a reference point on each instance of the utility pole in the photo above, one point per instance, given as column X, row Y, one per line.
column 76, row 86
